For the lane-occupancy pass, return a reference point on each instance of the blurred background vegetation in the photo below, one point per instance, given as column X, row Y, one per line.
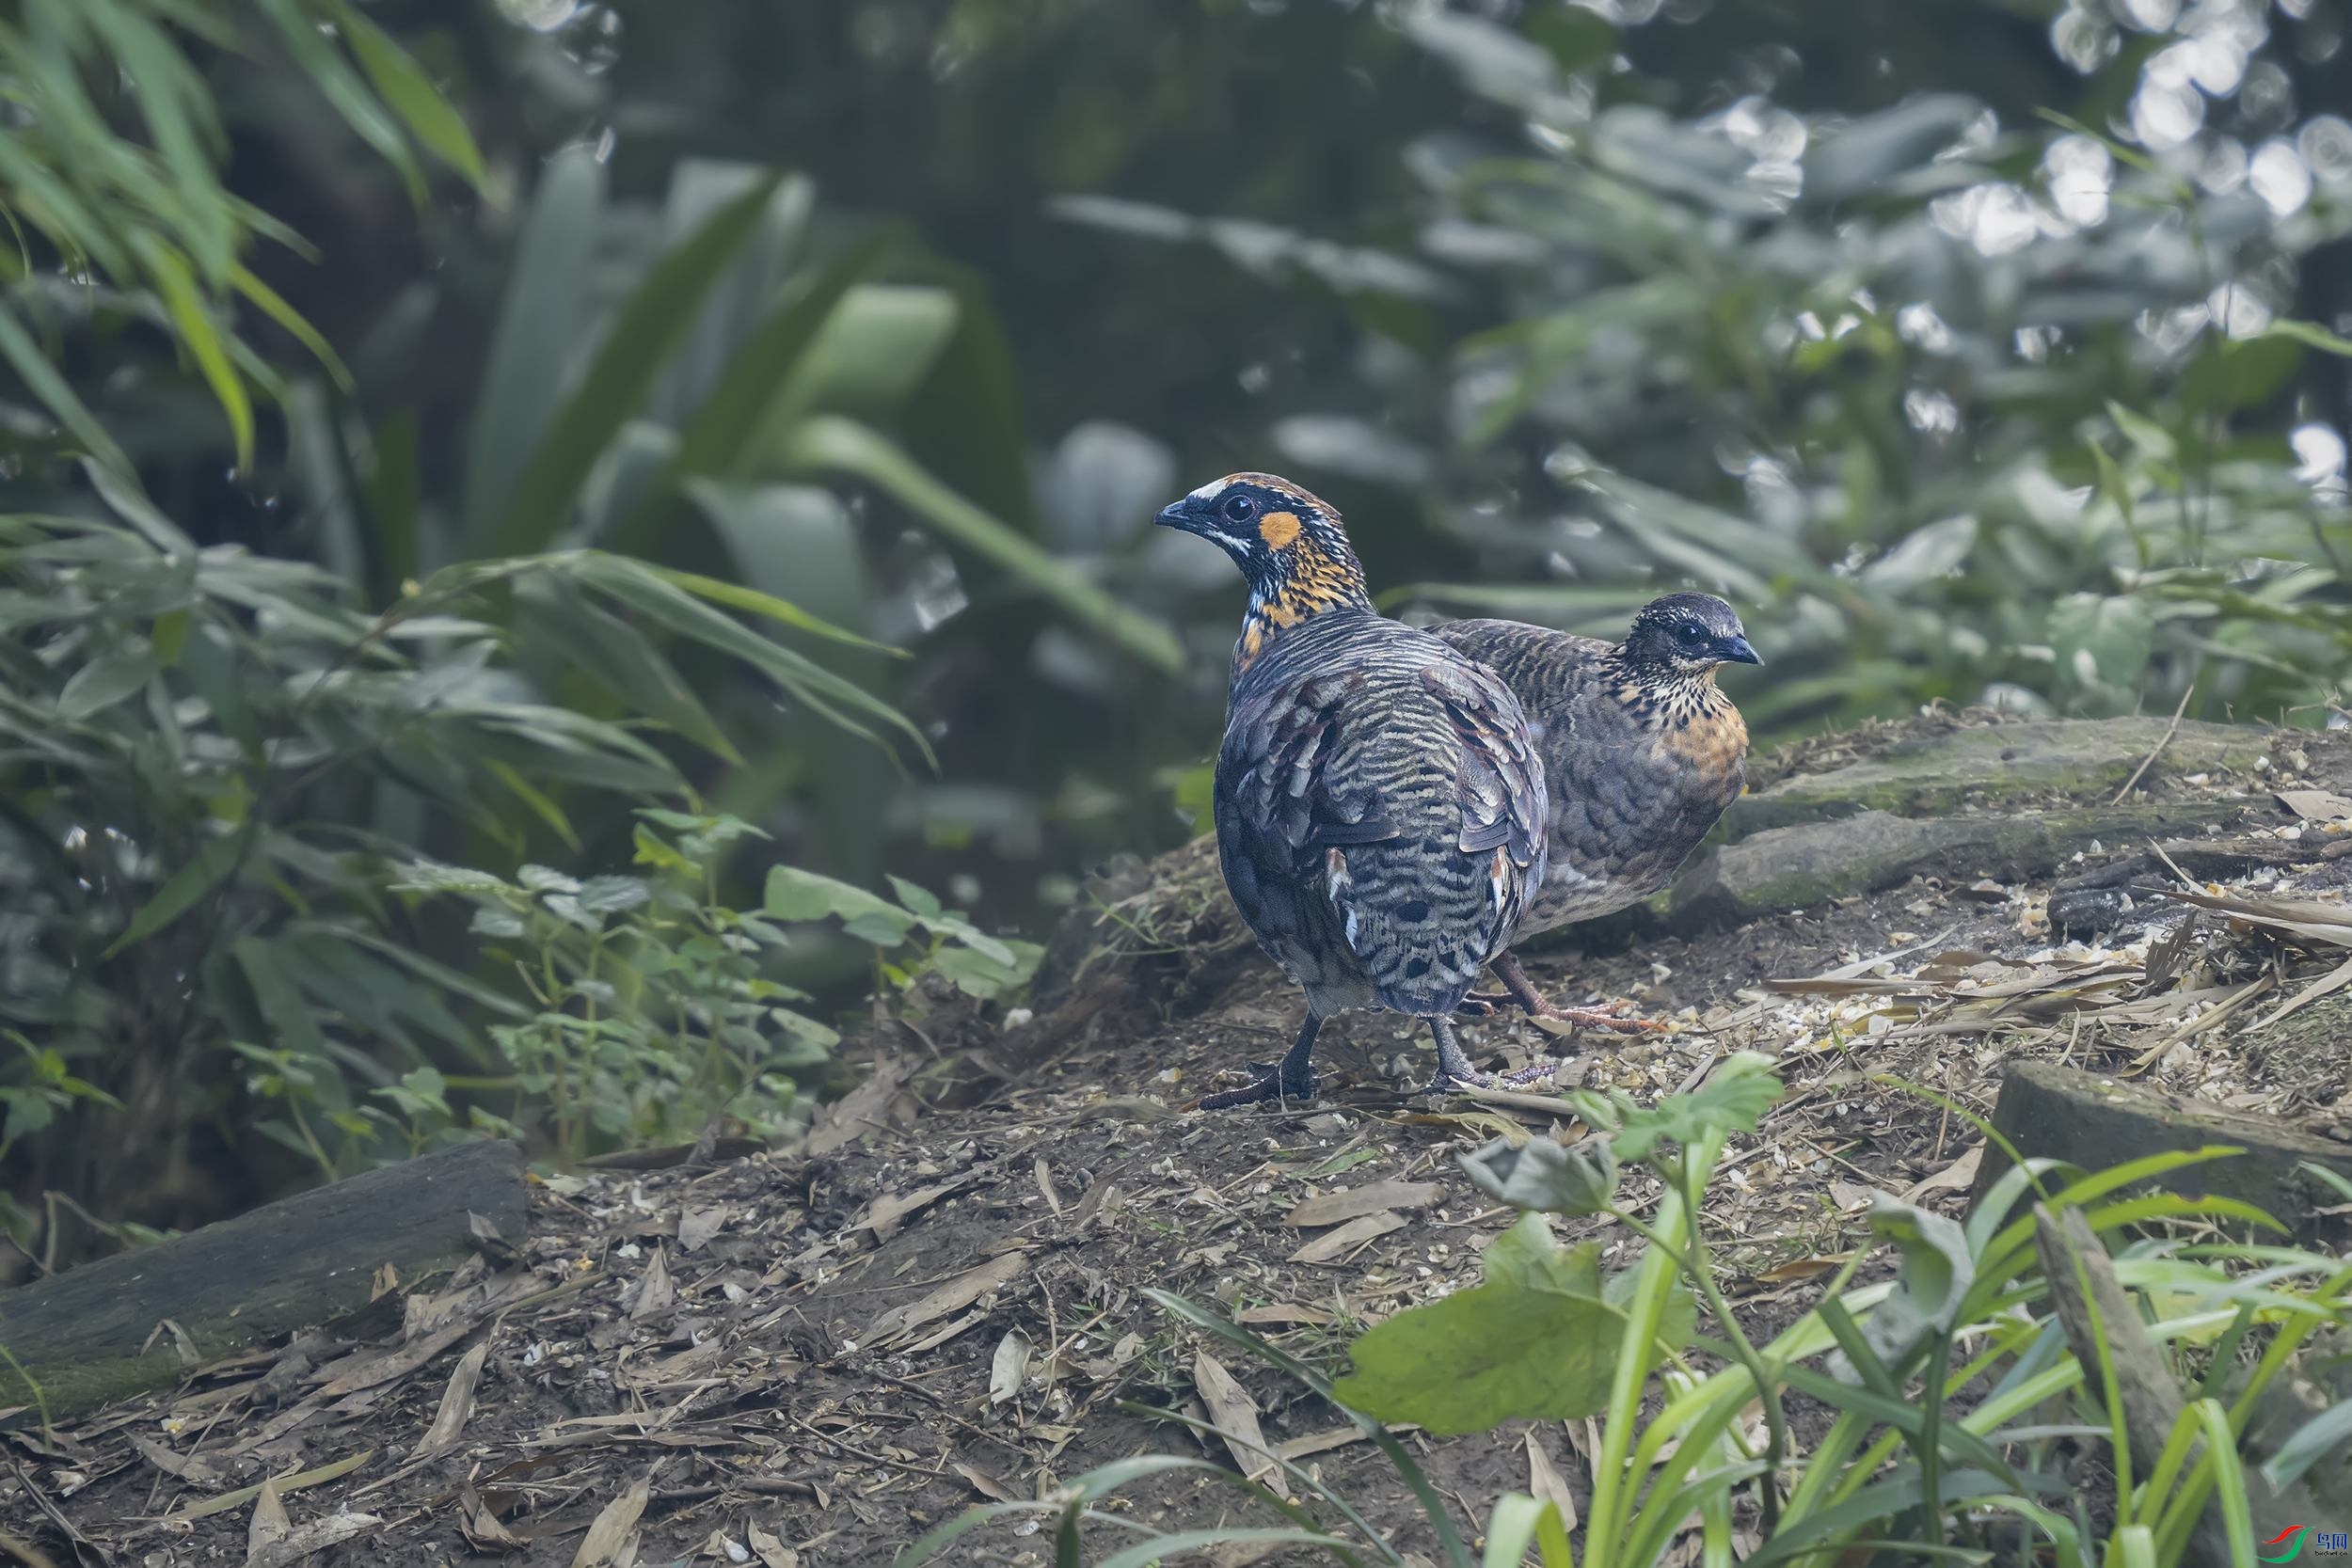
column 674, row 481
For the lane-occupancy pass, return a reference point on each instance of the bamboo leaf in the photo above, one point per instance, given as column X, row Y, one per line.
column 412, row 95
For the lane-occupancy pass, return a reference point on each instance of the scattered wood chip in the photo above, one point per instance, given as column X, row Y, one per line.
column 1009, row 1369
column 1334, row 1244
column 696, row 1226
column 953, row 1296
column 1233, row 1413
column 1544, row 1484
column 456, row 1403
column 653, row 1293
column 613, row 1525
column 1337, row 1207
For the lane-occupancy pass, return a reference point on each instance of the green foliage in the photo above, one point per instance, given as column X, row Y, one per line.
column 150, row 213
column 923, row 935
column 1463, row 1363
column 652, row 1007
column 217, row 759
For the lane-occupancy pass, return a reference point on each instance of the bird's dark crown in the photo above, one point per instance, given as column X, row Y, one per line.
column 1287, row 542
column 1682, row 636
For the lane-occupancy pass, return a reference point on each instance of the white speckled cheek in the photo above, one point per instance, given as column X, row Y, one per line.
column 1210, row 491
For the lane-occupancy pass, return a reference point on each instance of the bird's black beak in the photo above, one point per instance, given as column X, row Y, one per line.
column 1177, row 516
column 1736, row 651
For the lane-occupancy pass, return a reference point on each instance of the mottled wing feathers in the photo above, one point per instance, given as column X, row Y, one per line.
column 1379, row 810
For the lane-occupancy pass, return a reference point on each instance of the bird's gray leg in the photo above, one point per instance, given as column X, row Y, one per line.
column 1291, row 1078
column 1454, row 1068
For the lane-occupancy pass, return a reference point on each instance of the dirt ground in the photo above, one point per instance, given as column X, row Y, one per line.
column 809, row 1356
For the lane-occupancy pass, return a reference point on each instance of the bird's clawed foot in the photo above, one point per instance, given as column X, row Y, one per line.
column 1274, row 1083
column 1618, row 1018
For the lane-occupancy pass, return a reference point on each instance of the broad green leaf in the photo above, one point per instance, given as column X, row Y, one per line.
column 872, row 351
column 828, row 442
column 539, row 326
column 2325, row 1435
column 1540, row 1174
column 1534, row 1338
column 734, row 308
column 1741, row 1089
column 757, row 523
column 1937, row 1271
column 2311, row 333
column 796, row 895
column 650, row 323
column 412, row 95
column 106, row 681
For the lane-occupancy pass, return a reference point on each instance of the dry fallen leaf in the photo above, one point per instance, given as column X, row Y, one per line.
column 1233, row 1413
column 1799, row 1268
column 772, row 1552
column 456, row 1403
column 195, row 1469
column 317, row 1536
column 613, row 1525
column 1334, row 1244
column 1336, row 1208
column 269, row 1525
column 1009, row 1369
column 1958, row 1176
column 653, row 1293
column 2315, row 805
column 1544, row 1484
column 985, row 1484
column 887, row 1213
column 1283, row 1312
column 696, row 1226
column 953, row 1296
column 1045, row 1173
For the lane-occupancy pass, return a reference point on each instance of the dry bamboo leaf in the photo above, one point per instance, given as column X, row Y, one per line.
column 775, row 1553
column 653, row 1293
column 953, row 1296
column 2315, row 805
column 985, row 1484
column 1233, row 1413
column 613, row 1527
column 456, row 1402
column 1958, row 1176
column 1045, row 1173
column 1009, row 1368
column 940, row 1335
column 1334, row 1244
column 1799, row 1268
column 1336, row 1208
column 887, row 1213
column 1285, row 1312
column 316, row 1536
column 1544, row 1484
column 1324, row 1442
column 192, row 1468
column 269, row 1525
column 696, row 1226
column 860, row 1111
column 285, row 1484
column 2334, row 980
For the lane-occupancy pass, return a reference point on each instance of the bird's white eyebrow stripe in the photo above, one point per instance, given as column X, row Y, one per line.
column 1210, row 491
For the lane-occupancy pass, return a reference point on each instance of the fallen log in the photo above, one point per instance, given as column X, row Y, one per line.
column 2097, row 1122
column 131, row 1322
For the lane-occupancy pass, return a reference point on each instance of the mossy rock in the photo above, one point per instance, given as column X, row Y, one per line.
column 1997, row 765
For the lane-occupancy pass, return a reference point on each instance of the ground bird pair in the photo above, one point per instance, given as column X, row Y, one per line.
column 1395, row 807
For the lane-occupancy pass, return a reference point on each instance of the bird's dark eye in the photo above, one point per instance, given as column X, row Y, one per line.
column 1240, row 509
column 1690, row 634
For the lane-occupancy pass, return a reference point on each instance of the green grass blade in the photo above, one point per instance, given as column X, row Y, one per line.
column 411, row 95
column 57, row 394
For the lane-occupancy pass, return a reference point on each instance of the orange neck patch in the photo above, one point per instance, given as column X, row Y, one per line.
column 1312, row 581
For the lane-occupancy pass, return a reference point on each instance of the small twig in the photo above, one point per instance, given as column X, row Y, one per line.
column 2163, row 740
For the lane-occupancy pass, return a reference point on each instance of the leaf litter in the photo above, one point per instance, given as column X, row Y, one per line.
column 811, row 1354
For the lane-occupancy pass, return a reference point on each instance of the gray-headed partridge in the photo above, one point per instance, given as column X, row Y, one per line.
column 1642, row 754
column 1379, row 805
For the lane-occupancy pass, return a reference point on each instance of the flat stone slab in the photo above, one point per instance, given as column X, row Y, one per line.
column 2098, row 1122
column 1937, row 775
